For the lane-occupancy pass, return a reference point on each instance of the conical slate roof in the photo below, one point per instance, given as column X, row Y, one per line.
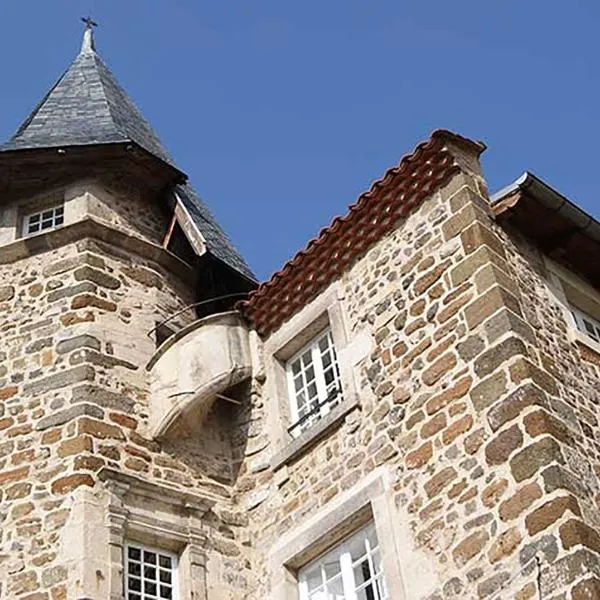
column 88, row 107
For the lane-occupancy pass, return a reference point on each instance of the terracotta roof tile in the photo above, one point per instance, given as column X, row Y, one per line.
column 419, row 174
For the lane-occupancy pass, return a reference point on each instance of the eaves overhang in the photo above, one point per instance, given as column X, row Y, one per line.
column 560, row 228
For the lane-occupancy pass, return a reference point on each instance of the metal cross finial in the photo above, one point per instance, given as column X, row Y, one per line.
column 89, row 22
column 88, row 35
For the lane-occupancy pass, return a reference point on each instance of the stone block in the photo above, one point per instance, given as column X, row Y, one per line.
column 419, row 457
column 492, row 358
column 489, row 391
column 439, row 481
column 76, row 342
column 531, row 459
column 439, row 401
column 514, row 404
column 99, row 429
column 507, row 321
column 98, row 277
column 549, row 513
column 541, row 423
column 575, row 532
column 60, row 380
column 470, row 547
column 102, row 397
column 500, row 448
column 64, row 485
column 514, row 506
column 485, row 306
column 456, row 429
column 477, row 235
column 439, row 368
column 467, row 267
column 92, row 301
column 64, row 416
column 505, row 545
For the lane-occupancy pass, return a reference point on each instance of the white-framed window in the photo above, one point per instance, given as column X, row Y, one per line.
column 351, row 571
column 43, row 220
column 314, row 383
column 586, row 324
column 150, row 574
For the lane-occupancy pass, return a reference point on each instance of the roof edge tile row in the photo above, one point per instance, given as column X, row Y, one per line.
column 418, row 175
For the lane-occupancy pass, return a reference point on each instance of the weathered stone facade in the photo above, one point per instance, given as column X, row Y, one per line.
column 468, row 429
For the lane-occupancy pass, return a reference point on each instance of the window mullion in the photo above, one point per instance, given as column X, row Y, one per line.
column 303, row 589
column 293, row 395
column 319, row 378
column 348, row 576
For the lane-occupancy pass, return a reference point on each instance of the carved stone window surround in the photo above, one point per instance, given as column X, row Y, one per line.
column 368, row 501
column 570, row 290
column 159, row 516
column 323, row 312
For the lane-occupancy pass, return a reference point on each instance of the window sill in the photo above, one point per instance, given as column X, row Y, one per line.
column 311, row 436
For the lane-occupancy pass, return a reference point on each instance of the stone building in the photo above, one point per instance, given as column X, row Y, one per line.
column 407, row 410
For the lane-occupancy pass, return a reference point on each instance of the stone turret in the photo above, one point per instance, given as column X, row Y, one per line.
column 106, row 251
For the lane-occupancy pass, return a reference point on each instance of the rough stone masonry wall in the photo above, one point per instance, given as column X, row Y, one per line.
column 74, row 398
column 569, row 415
column 457, row 401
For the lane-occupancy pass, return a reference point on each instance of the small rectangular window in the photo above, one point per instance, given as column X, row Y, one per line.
column 43, row 220
column 313, row 382
column 586, row 324
column 352, row 570
column 150, row 574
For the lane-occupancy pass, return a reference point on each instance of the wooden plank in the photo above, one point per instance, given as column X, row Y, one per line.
column 170, row 231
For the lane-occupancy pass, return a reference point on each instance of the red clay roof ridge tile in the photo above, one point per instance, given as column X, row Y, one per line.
column 418, row 174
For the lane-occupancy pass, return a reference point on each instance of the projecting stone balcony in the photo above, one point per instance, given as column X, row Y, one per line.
column 192, row 368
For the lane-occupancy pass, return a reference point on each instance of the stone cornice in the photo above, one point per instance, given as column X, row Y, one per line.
column 89, row 227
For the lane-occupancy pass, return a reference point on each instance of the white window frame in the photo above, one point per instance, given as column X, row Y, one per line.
column 558, row 279
column 582, row 319
column 145, row 548
column 347, row 566
column 57, row 213
column 325, row 403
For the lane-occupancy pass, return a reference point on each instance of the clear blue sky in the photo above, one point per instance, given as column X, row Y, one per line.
column 282, row 112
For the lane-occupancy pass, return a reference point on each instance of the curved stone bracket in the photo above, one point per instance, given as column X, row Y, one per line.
column 205, row 359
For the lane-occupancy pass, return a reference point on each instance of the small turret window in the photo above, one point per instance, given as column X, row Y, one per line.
column 44, row 220
column 150, row 574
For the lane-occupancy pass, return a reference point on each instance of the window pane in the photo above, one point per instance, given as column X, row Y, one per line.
column 335, row 589
column 367, row 593
column 362, row 572
column 165, row 592
column 165, row 576
column 150, row 588
column 34, row 218
column 332, row 566
column 145, row 569
column 314, row 577
column 135, row 584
